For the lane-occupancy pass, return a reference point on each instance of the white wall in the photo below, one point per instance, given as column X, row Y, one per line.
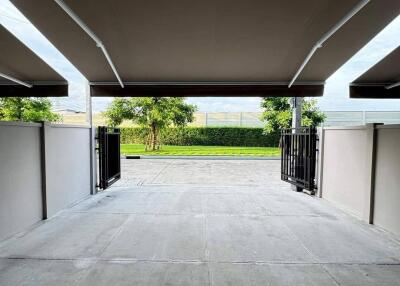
column 387, row 179
column 346, row 167
column 67, row 165
column 66, row 158
column 20, row 177
column 353, row 181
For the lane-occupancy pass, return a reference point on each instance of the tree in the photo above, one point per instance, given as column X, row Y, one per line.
column 153, row 113
column 27, row 109
column 278, row 114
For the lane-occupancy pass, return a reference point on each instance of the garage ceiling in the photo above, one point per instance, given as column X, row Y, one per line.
column 209, row 47
column 381, row 81
column 23, row 73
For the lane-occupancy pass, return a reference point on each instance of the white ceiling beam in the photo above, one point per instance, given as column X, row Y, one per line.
column 13, row 79
column 393, row 85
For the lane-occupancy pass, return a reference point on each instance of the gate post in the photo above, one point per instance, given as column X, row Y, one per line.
column 297, row 103
column 93, row 161
column 320, row 160
column 92, row 140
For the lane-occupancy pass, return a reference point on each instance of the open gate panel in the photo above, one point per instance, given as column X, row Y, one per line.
column 109, row 156
column 298, row 157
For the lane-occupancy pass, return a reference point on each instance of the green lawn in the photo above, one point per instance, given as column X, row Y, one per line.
column 138, row 149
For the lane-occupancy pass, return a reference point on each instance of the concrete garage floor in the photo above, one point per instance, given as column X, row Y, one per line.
column 201, row 222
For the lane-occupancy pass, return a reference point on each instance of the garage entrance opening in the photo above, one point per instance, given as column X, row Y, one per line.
column 197, row 221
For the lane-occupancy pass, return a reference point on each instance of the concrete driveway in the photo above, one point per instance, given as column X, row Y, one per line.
column 201, row 222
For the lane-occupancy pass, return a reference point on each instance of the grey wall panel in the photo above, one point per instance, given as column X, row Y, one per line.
column 67, row 166
column 347, row 169
column 387, row 180
column 20, row 178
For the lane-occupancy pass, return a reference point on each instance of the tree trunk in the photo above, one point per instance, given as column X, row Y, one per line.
column 19, row 108
column 148, row 140
column 154, row 136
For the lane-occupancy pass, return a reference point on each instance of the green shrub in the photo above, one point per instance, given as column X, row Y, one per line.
column 205, row 136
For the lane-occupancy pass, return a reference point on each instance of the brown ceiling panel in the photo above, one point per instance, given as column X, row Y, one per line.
column 19, row 62
column 209, row 40
column 347, row 41
column 375, row 82
column 387, row 71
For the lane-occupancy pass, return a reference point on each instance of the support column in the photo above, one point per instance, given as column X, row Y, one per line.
column 92, row 144
column 320, row 165
column 89, row 119
column 297, row 103
column 296, row 123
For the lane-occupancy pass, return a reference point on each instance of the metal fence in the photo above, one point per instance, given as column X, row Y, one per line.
column 346, row 118
column 252, row 119
column 229, row 119
column 333, row 118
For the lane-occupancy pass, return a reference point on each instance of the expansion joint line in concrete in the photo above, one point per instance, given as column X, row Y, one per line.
column 160, row 172
column 118, row 232
column 205, row 231
column 178, row 261
column 312, row 255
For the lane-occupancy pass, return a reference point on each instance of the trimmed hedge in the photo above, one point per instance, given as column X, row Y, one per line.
column 205, row 136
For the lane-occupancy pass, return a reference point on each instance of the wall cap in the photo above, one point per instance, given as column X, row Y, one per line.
column 20, row 124
column 355, row 127
column 389, row 126
column 55, row 125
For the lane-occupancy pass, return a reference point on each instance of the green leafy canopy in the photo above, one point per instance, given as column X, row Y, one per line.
column 145, row 111
column 153, row 113
column 27, row 109
column 277, row 114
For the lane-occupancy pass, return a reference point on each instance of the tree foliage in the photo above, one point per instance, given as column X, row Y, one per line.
column 278, row 114
column 153, row 113
column 27, row 109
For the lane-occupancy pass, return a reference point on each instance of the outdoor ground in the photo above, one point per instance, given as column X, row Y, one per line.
column 201, row 222
column 168, row 150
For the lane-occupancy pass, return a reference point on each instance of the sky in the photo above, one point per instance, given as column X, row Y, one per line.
column 336, row 96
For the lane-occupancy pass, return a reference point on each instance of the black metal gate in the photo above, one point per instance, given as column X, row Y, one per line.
column 108, row 139
column 298, row 157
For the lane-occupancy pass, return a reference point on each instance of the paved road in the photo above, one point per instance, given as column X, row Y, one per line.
column 201, row 222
